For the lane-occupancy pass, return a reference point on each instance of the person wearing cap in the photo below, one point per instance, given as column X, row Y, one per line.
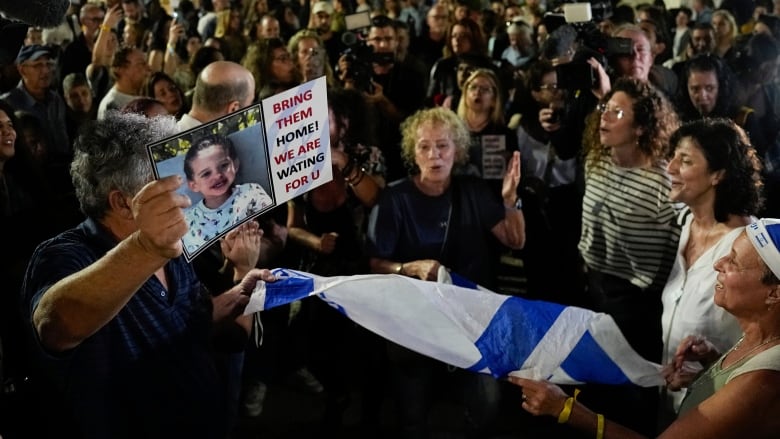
column 739, row 392
column 321, row 20
column 36, row 64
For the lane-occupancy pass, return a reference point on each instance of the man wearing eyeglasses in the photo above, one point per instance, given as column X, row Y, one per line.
column 37, row 66
column 397, row 90
column 77, row 55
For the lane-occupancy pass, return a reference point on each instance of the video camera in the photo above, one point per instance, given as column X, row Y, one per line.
column 583, row 18
column 359, row 55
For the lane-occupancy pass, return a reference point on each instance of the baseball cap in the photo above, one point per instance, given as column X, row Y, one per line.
column 322, row 6
column 33, row 52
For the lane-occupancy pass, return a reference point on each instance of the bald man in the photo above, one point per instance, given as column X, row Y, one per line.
column 223, row 87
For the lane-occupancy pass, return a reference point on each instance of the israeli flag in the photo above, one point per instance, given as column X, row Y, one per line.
column 467, row 326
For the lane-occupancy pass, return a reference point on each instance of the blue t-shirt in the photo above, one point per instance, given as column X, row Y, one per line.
column 407, row 225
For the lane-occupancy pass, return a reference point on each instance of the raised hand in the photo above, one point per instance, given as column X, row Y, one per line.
column 241, row 246
column 511, row 178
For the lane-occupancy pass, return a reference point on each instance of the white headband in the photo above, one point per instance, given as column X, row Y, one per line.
column 764, row 234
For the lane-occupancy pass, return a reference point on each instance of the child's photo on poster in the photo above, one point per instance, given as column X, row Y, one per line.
column 225, row 170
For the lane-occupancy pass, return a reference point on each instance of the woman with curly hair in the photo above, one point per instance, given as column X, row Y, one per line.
column 435, row 219
column 716, row 173
column 272, row 67
column 629, row 233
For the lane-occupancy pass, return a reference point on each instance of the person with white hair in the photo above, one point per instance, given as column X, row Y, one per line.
column 521, row 48
column 120, row 330
column 739, row 391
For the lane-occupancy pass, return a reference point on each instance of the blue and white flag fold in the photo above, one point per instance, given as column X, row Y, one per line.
column 474, row 328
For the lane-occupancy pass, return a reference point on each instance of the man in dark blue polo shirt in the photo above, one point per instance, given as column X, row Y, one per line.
column 120, row 328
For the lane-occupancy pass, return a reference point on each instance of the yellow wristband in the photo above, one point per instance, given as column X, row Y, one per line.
column 105, row 27
column 563, row 417
column 599, row 426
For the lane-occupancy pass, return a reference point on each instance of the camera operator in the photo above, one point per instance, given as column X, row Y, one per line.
column 572, row 59
column 394, row 89
column 640, row 64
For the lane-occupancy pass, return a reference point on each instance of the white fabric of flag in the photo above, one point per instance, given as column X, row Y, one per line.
column 467, row 326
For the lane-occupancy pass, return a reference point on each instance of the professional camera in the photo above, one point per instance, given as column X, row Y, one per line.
column 360, row 57
column 583, row 19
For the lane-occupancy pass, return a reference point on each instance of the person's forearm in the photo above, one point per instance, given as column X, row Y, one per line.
column 511, row 230
column 304, row 238
column 384, row 266
column 582, row 418
column 101, row 56
column 77, row 306
column 170, row 62
column 363, row 186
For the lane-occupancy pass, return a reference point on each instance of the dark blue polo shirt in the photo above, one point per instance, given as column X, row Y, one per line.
column 149, row 372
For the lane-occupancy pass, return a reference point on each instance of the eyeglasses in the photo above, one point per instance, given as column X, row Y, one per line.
column 480, row 88
column 550, row 87
column 379, row 40
column 94, row 19
column 606, row 111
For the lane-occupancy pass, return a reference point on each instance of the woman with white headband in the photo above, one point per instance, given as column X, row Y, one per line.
column 738, row 394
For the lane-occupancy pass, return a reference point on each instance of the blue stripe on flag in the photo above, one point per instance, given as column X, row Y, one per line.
column 513, row 333
column 462, row 281
column 588, row 363
column 287, row 290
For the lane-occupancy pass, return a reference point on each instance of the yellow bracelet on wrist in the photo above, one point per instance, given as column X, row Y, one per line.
column 563, row 417
column 599, row 426
column 105, row 27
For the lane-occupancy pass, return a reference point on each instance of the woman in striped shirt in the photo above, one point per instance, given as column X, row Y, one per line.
column 629, row 233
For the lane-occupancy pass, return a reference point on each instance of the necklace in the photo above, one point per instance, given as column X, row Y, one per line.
column 717, row 367
column 753, row 349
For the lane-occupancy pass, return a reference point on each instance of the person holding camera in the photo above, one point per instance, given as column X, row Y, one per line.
column 552, row 197
column 394, row 89
column 640, row 63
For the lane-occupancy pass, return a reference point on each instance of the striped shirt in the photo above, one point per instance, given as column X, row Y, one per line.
column 628, row 227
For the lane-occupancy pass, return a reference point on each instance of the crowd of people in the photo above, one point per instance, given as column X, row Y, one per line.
column 629, row 164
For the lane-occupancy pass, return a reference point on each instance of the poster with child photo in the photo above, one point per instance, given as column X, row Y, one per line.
column 237, row 167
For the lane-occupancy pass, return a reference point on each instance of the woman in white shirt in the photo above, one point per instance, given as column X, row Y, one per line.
column 715, row 172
